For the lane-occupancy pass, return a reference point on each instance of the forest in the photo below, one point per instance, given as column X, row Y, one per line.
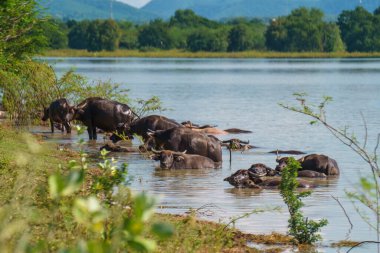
column 303, row 30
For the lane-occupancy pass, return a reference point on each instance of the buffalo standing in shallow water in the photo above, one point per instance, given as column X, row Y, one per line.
column 313, row 165
column 104, row 114
column 60, row 112
column 180, row 139
column 179, row 160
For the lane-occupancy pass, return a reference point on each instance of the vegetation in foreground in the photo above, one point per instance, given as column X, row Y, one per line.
column 175, row 53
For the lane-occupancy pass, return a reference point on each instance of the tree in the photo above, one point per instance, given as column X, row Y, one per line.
column 56, row 33
column 332, row 41
column 155, row 34
column 357, row 29
column 20, row 34
column 207, row 40
column 109, row 35
column 78, row 36
column 240, row 38
column 302, row 30
column 188, row 18
column 128, row 35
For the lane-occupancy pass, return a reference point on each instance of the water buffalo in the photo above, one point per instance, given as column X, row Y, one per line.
column 59, row 112
column 179, row 160
column 312, row 163
column 181, row 138
column 119, row 148
column 261, row 170
column 287, row 152
column 152, row 123
column 247, row 179
column 102, row 113
column 145, row 124
column 211, row 129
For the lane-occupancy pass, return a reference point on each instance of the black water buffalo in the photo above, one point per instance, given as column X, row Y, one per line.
column 247, row 179
column 151, row 123
column 142, row 126
column 104, row 114
column 179, row 160
column 59, row 112
column 180, row 139
column 312, row 163
column 261, row 170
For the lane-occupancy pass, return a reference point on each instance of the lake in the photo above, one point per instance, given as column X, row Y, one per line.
column 244, row 93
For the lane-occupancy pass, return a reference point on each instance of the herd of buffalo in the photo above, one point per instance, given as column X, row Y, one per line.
column 178, row 145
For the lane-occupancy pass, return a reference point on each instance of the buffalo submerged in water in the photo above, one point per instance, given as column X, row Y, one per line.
column 179, row 139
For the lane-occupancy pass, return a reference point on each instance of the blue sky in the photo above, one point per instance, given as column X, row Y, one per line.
column 136, row 3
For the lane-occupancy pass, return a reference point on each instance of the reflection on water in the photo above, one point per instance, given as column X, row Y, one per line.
column 244, row 93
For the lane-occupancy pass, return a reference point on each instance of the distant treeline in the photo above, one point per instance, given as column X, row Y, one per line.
column 303, row 30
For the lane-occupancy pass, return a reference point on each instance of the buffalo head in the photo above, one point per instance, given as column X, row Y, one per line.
column 45, row 117
column 167, row 158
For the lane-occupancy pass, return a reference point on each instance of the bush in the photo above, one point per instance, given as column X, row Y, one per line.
column 305, row 231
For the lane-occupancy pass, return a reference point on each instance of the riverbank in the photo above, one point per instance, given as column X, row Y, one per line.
column 28, row 215
column 186, row 54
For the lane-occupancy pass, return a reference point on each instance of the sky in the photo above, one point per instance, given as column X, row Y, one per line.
column 135, row 3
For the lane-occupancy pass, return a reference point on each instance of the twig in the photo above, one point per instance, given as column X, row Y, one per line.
column 365, row 130
column 344, row 210
column 361, row 243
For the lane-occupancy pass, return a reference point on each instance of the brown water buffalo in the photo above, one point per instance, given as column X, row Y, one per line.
column 102, row 113
column 312, row 163
column 179, row 160
column 59, row 112
column 247, row 179
column 180, row 139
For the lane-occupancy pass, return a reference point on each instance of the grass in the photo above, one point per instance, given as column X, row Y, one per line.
column 186, row 54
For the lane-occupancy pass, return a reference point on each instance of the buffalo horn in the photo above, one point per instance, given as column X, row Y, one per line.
column 278, row 156
column 179, row 153
column 156, row 151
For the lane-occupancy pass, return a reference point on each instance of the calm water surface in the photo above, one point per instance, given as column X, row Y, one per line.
column 245, row 94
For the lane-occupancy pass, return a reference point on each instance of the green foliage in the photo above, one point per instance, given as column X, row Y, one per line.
column 78, row 36
column 366, row 197
column 128, row 37
column 56, row 33
column 20, row 34
column 103, row 35
column 301, row 31
column 360, row 30
column 188, row 18
column 30, row 86
column 96, row 35
column 155, row 35
column 305, row 231
column 207, row 40
column 332, row 41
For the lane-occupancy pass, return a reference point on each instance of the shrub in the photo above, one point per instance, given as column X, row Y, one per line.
column 305, row 231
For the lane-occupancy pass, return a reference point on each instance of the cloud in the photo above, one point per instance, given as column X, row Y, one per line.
column 135, row 3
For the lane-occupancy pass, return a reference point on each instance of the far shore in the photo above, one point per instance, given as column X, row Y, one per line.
column 187, row 54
